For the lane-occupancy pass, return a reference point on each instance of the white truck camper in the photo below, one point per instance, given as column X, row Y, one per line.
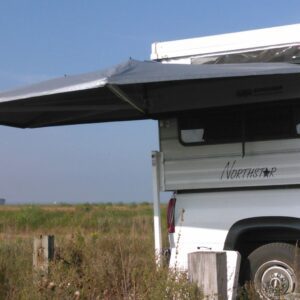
column 228, row 108
column 235, row 170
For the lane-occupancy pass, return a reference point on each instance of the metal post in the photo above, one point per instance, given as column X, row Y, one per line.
column 156, row 207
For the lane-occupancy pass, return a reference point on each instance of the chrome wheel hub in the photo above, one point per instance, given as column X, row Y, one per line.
column 274, row 279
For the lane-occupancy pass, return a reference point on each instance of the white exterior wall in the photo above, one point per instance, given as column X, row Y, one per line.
column 204, row 218
column 207, row 217
column 265, row 163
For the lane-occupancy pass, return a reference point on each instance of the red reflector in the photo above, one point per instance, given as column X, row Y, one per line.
column 170, row 215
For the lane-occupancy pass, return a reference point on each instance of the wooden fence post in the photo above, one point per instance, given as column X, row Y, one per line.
column 43, row 252
column 209, row 271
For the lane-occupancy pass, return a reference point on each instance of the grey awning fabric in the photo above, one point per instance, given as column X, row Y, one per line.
column 143, row 90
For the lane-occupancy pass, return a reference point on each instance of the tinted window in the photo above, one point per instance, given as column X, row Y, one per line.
column 259, row 123
column 267, row 123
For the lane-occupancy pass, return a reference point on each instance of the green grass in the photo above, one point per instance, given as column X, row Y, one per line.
column 60, row 218
column 102, row 251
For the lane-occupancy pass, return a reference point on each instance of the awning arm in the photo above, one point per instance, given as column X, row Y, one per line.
column 119, row 93
column 156, row 158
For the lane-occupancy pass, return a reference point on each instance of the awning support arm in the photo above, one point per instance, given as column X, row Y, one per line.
column 119, row 93
column 156, row 156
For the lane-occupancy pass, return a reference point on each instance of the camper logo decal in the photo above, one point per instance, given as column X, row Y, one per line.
column 230, row 172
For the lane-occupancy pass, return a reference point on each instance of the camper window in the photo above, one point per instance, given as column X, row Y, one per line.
column 245, row 124
column 215, row 127
column 269, row 123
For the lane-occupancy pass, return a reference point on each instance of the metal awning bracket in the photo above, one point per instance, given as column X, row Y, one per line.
column 122, row 95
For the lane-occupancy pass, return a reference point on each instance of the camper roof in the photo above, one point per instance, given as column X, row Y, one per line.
column 245, row 41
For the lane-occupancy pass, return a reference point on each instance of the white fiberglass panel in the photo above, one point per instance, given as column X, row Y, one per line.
column 250, row 40
column 204, row 219
column 208, row 166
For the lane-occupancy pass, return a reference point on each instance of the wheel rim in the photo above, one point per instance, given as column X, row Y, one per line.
column 274, row 279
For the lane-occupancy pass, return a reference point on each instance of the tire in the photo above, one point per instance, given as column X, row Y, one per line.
column 273, row 270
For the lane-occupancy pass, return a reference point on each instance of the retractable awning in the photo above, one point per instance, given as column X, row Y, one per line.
column 146, row 90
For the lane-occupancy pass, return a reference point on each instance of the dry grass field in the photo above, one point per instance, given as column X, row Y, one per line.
column 102, row 251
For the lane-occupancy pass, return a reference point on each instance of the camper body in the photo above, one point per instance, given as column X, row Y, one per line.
column 235, row 170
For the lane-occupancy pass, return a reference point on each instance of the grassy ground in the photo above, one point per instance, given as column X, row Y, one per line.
column 102, row 252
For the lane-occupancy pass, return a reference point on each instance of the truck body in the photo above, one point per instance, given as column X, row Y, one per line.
column 236, row 170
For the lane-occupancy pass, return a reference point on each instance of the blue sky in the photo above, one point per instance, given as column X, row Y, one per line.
column 45, row 39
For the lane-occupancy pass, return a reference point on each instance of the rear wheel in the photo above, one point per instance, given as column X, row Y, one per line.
column 272, row 269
